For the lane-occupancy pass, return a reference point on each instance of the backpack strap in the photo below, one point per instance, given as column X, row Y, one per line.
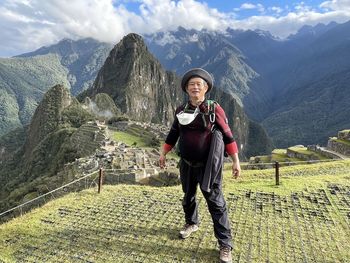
column 211, row 110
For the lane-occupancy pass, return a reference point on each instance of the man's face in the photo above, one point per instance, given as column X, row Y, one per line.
column 196, row 88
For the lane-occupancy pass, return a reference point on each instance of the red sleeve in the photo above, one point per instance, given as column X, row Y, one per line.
column 222, row 122
column 231, row 148
column 167, row 147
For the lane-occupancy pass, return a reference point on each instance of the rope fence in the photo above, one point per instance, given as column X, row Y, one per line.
column 101, row 173
column 63, row 187
column 295, row 162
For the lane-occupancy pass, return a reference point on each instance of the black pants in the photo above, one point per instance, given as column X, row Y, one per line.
column 190, row 177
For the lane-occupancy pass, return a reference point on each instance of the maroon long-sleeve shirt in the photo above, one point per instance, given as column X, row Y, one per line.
column 195, row 138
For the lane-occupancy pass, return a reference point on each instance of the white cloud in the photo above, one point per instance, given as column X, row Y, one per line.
column 302, row 7
column 276, row 9
column 336, row 5
column 31, row 24
column 285, row 25
column 250, row 6
column 166, row 14
column 28, row 24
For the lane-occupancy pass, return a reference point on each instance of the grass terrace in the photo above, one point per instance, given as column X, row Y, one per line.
column 305, row 219
column 280, row 155
column 346, row 142
column 305, row 152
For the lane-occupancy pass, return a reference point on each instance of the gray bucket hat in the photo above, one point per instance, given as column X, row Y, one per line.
column 197, row 72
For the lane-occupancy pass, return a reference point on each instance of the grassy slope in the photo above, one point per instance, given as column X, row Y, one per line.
column 305, row 219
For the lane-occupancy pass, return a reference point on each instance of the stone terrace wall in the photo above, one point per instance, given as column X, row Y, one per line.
column 320, row 150
column 339, row 147
column 344, row 135
column 306, row 157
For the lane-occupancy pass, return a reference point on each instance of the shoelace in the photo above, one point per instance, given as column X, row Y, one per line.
column 225, row 251
column 187, row 226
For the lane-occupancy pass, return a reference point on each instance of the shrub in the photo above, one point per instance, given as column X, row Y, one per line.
column 117, row 119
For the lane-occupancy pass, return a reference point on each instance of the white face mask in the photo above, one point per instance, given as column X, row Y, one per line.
column 187, row 118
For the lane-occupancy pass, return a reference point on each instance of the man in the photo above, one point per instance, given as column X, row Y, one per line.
column 201, row 127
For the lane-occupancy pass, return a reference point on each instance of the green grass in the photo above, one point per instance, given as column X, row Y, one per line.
column 293, row 178
column 305, row 219
column 280, row 155
column 343, row 141
column 306, row 152
column 129, row 139
column 264, row 158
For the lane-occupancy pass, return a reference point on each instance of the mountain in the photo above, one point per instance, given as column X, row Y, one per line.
column 58, row 134
column 144, row 91
column 308, row 31
column 132, row 83
column 280, row 93
column 25, row 78
column 184, row 49
column 82, row 58
column 22, row 84
column 310, row 95
column 137, row 83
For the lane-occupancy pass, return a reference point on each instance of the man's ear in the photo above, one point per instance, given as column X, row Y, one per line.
column 206, row 87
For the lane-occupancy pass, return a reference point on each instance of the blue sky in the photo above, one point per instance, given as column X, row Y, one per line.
column 26, row 25
column 244, row 9
column 230, row 6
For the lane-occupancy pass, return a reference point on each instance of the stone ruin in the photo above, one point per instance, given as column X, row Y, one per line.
column 121, row 163
column 344, row 135
column 157, row 129
column 340, row 144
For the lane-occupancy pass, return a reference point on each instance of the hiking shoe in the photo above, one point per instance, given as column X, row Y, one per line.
column 188, row 230
column 225, row 254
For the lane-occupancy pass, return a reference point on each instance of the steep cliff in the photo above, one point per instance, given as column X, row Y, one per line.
column 47, row 116
column 138, row 84
column 58, row 134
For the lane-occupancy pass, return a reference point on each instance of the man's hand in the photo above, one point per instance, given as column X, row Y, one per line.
column 236, row 169
column 162, row 161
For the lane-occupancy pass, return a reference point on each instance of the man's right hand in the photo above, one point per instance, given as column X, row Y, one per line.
column 162, row 161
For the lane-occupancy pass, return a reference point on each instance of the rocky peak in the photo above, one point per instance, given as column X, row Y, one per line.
column 137, row 83
column 47, row 116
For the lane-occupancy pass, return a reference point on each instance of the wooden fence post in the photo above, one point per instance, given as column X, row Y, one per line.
column 277, row 172
column 100, row 180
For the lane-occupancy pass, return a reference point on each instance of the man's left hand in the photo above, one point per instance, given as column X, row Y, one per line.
column 236, row 170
